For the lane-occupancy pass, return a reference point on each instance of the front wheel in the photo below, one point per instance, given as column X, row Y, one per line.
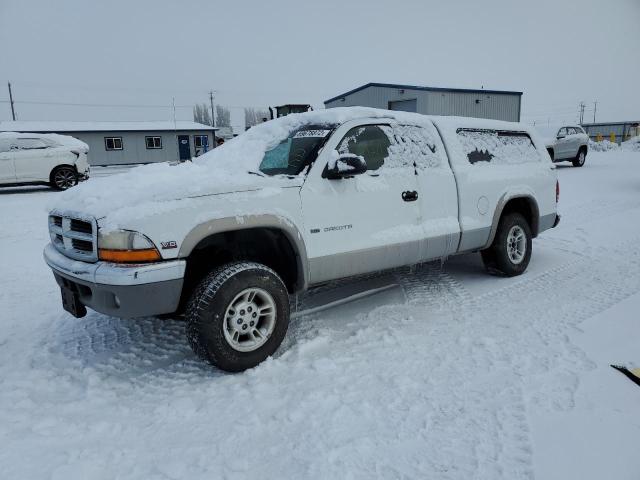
column 63, row 178
column 510, row 252
column 238, row 316
column 580, row 158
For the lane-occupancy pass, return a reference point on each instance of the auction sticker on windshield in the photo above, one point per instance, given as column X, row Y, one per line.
column 312, row 133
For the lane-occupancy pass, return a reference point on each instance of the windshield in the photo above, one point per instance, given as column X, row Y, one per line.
column 295, row 153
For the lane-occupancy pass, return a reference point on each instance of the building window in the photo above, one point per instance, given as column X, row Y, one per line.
column 153, row 143
column 113, row 143
column 201, row 143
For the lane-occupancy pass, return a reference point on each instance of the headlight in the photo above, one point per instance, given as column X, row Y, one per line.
column 125, row 246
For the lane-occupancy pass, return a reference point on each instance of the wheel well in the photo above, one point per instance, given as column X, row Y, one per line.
column 269, row 246
column 583, row 148
column 60, row 166
column 527, row 208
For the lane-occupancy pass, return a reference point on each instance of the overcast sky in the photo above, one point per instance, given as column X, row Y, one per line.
column 128, row 60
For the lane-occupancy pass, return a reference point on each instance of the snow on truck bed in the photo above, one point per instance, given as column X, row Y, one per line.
column 452, row 374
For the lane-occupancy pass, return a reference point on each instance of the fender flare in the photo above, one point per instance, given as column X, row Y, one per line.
column 247, row 222
column 502, row 202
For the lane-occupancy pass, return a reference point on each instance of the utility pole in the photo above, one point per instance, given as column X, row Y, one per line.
column 213, row 117
column 13, row 111
column 595, row 107
column 582, row 105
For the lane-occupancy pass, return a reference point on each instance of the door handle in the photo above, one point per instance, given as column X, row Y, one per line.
column 410, row 196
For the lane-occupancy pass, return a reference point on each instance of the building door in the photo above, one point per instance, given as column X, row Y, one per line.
column 404, row 105
column 184, row 149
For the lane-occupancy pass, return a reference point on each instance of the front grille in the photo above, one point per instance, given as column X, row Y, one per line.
column 74, row 236
column 82, row 245
column 81, row 226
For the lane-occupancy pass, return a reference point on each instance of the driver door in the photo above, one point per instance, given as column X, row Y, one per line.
column 361, row 223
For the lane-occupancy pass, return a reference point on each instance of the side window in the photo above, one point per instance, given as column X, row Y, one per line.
column 563, row 132
column 28, row 144
column 497, row 146
column 414, row 146
column 369, row 142
column 113, row 143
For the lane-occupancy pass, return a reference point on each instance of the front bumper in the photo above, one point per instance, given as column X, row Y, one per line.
column 120, row 290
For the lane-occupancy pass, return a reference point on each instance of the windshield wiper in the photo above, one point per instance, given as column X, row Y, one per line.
column 260, row 174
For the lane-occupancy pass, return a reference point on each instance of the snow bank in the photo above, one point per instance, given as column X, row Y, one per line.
column 603, row 146
column 632, row 145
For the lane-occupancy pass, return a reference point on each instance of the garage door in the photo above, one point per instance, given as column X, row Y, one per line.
column 404, row 105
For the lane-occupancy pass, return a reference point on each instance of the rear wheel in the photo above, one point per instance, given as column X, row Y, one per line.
column 510, row 252
column 580, row 158
column 238, row 315
column 63, row 178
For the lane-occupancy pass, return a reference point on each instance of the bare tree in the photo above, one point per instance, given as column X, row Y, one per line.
column 223, row 116
column 201, row 114
column 254, row 116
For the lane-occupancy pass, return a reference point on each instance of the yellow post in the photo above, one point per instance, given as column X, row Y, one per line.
column 599, row 137
column 612, row 137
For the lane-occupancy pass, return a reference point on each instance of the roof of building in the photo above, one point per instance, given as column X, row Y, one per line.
column 47, row 126
column 414, row 87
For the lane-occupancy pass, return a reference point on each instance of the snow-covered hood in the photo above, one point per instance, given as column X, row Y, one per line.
column 121, row 199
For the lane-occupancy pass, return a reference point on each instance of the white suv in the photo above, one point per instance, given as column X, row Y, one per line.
column 291, row 204
column 566, row 143
column 42, row 159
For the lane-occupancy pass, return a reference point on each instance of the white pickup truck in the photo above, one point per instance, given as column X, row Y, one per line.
column 291, row 204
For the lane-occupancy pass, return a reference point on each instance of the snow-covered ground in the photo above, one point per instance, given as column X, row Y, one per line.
column 451, row 374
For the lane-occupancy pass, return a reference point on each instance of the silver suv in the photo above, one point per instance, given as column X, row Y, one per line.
column 566, row 143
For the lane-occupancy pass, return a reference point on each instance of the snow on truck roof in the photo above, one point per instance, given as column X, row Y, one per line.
column 226, row 168
column 46, row 126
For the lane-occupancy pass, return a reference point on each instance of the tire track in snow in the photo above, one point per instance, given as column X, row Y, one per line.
column 536, row 308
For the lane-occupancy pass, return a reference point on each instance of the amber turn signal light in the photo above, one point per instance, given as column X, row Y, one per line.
column 129, row 256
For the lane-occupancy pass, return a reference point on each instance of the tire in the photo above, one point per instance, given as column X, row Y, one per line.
column 580, row 158
column 505, row 256
column 225, row 323
column 63, row 178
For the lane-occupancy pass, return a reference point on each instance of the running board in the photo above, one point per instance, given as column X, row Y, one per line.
column 326, row 298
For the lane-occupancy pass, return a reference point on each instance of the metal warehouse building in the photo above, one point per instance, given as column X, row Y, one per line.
column 124, row 143
column 614, row 131
column 494, row 104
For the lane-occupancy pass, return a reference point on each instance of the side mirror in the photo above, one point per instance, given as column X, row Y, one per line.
column 346, row 165
column 560, row 137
